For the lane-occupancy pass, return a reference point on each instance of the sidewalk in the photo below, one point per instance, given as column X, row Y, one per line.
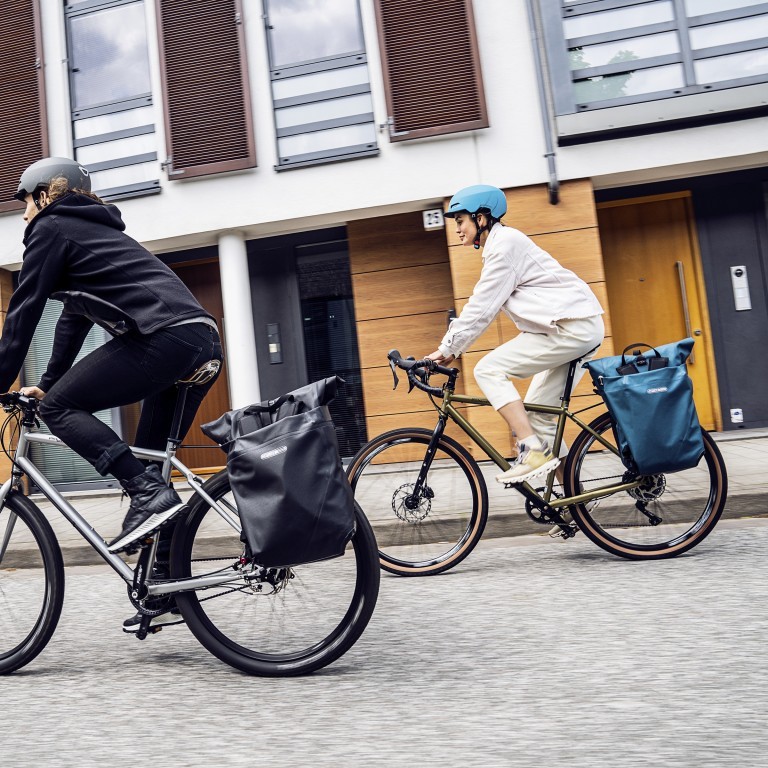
column 745, row 453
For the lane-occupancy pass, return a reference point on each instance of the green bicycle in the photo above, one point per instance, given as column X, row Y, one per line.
column 427, row 498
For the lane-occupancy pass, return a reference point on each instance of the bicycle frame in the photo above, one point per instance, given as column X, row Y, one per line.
column 23, row 465
column 447, row 410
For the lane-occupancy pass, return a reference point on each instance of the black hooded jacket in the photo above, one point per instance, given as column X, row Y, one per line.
column 77, row 252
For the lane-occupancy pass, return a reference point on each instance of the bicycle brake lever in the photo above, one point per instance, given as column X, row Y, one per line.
column 394, row 373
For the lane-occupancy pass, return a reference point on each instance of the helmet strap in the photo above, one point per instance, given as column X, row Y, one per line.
column 486, row 228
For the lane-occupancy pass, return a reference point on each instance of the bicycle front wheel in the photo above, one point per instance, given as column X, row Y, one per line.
column 31, row 582
column 426, row 531
column 666, row 515
column 292, row 621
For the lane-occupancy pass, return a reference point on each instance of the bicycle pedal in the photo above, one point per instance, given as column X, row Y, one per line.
column 559, row 532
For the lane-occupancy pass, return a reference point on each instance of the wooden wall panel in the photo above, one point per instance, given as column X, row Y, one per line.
column 401, row 280
column 394, row 242
column 397, row 292
column 413, row 335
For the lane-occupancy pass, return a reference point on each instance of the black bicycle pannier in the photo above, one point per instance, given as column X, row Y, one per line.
column 294, row 500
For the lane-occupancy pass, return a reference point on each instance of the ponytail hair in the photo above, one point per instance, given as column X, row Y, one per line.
column 59, row 187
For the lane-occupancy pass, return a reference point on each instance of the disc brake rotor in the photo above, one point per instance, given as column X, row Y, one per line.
column 410, row 508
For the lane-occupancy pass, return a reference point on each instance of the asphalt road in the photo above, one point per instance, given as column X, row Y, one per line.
column 531, row 653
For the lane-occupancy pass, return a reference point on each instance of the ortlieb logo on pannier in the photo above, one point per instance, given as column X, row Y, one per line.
column 654, row 434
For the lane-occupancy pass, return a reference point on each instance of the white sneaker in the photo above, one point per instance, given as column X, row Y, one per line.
column 531, row 463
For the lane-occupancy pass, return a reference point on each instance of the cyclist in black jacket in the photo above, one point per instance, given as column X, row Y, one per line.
column 76, row 252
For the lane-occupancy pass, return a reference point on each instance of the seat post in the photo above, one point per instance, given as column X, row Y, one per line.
column 174, row 440
column 181, row 401
column 569, row 381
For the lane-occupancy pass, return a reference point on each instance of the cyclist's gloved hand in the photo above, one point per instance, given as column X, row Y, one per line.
column 35, row 392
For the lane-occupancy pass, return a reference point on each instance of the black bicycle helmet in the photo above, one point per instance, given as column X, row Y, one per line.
column 40, row 174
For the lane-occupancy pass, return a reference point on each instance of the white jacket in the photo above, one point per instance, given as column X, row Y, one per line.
column 532, row 288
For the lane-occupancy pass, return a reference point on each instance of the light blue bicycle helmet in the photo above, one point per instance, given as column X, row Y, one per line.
column 479, row 198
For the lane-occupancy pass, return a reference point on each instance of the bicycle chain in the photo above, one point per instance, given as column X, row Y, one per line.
column 218, row 594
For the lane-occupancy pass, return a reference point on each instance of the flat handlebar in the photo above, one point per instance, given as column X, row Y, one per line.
column 418, row 372
column 11, row 399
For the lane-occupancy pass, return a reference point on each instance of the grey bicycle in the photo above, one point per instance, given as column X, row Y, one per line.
column 264, row 621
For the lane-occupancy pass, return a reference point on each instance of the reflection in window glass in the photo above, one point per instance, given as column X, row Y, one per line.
column 320, row 81
column 746, row 64
column 109, row 56
column 306, row 30
column 114, row 121
column 624, row 50
column 119, row 177
column 324, row 110
column 737, row 31
column 700, row 7
column 323, row 141
column 629, row 84
column 108, row 150
column 624, row 18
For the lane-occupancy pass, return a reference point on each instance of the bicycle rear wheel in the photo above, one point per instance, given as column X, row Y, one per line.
column 291, row 622
column 31, row 582
column 426, row 533
column 666, row 515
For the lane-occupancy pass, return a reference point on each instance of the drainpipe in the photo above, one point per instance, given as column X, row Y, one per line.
column 553, row 185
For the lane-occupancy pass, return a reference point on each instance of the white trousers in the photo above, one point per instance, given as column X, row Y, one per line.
column 546, row 357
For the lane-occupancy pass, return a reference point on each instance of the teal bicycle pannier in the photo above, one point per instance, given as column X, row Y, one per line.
column 651, row 402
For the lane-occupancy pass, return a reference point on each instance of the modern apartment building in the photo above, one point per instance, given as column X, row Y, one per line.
column 290, row 159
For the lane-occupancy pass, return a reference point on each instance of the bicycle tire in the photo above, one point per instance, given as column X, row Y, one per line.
column 681, row 508
column 247, row 629
column 441, row 530
column 31, row 582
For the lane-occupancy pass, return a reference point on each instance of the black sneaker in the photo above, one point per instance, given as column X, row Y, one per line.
column 153, row 504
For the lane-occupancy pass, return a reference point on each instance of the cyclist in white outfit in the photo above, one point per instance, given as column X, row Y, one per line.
column 557, row 313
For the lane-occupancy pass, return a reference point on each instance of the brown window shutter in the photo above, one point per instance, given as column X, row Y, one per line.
column 205, row 82
column 431, row 67
column 23, row 133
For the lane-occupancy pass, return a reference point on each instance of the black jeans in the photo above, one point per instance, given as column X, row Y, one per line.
column 125, row 370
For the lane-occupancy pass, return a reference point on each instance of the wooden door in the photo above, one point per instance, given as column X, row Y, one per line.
column 204, row 282
column 655, row 284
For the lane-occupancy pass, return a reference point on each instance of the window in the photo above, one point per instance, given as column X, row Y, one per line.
column 23, row 138
column 208, row 123
column 62, row 466
column 111, row 96
column 431, row 68
column 320, row 85
column 604, row 54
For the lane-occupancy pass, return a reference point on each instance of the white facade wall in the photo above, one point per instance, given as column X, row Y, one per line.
column 405, row 175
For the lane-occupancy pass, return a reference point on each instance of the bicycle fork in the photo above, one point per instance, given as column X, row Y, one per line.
column 420, row 487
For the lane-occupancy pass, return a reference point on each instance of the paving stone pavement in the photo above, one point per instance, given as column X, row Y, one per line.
column 528, row 654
